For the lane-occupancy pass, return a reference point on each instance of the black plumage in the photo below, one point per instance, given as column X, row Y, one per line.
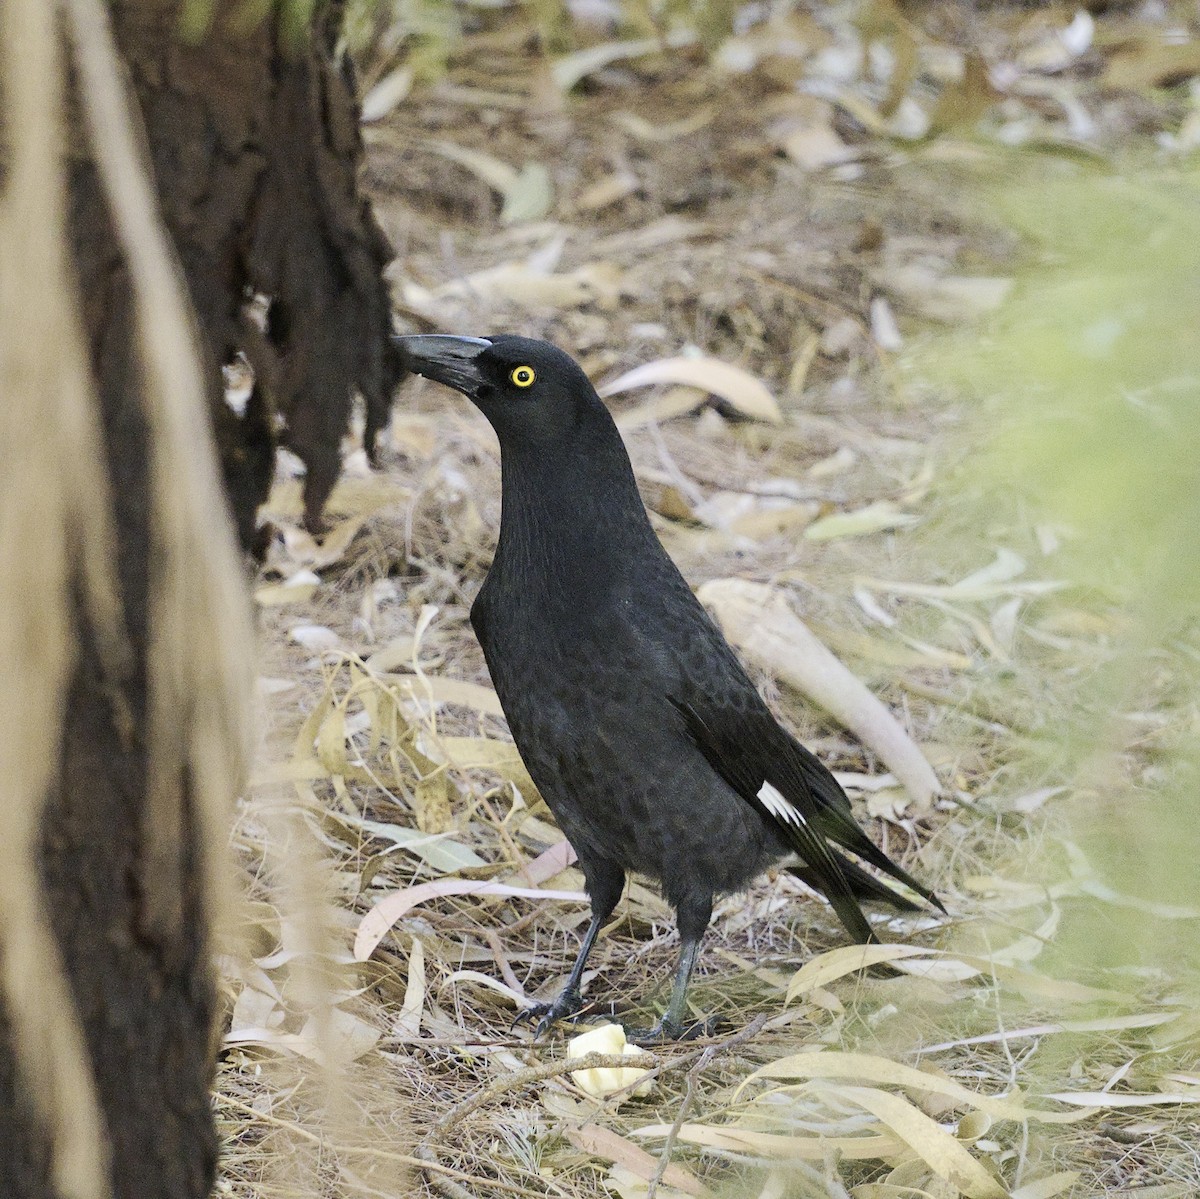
column 632, row 713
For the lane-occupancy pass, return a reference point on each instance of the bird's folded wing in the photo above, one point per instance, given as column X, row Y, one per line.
column 763, row 763
column 733, row 757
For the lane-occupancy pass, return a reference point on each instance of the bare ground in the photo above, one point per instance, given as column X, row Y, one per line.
column 680, row 215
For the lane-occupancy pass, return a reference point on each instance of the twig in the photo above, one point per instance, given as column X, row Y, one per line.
column 704, row 1059
column 439, row 1181
column 532, row 1074
column 511, row 1082
column 664, row 1159
column 416, row 1159
column 506, row 971
column 652, row 1063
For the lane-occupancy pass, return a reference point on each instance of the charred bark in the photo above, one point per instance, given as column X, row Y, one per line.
column 253, row 137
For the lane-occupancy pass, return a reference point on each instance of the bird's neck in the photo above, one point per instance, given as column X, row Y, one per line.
column 571, row 514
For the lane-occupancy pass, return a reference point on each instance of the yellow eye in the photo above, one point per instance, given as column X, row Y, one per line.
column 523, row 376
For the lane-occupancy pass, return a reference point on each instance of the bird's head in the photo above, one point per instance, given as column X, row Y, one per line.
column 529, row 390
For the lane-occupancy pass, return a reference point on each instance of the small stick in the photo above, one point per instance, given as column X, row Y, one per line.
column 416, row 1159
column 654, row 1065
column 521, row 1078
column 705, row 1057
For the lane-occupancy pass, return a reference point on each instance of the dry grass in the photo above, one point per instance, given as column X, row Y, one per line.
column 726, row 245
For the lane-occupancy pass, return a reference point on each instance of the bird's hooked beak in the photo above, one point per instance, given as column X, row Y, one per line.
column 445, row 359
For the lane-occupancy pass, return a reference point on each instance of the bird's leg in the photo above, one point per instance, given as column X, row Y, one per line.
column 674, row 1025
column 570, row 999
column 604, row 885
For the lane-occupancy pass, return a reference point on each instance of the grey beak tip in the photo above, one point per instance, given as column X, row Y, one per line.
column 444, row 358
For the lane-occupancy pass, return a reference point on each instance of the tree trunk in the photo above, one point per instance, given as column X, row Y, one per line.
column 253, row 141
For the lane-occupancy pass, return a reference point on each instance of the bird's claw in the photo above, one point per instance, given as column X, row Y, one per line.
column 667, row 1030
column 567, row 1004
column 527, row 1015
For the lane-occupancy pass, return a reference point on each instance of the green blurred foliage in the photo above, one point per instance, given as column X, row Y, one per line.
column 1089, row 403
column 1095, row 366
column 196, row 17
column 429, row 31
column 425, row 33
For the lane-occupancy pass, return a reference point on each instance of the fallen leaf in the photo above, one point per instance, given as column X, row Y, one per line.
column 473, row 753
column 757, row 619
column 1106, row 1099
column 548, row 863
column 846, row 959
column 769, row 1144
column 604, row 1142
column 864, row 1067
column 527, row 193
column 964, row 590
column 950, row 299
column 741, row 390
column 254, row 1009
column 398, row 652
column 387, row 93
column 874, row 518
column 335, row 1041
column 527, row 284
column 530, row 196
column 936, row 965
column 663, row 131
column 1048, row 1187
column 676, row 401
column 870, row 605
column 1153, row 64
column 610, row 189
column 840, row 336
column 884, row 330
column 1062, row 46
column 305, row 550
column 442, row 690
column 374, row 925
column 943, row 1153
column 408, row 1022
column 624, row 1183
column 436, row 849
column 1031, row 801
column 815, row 147
column 840, row 461
column 885, row 1190
column 315, row 637
column 1006, row 566
column 295, row 589
column 573, row 68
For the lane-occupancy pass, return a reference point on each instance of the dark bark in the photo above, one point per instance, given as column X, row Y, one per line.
column 254, row 145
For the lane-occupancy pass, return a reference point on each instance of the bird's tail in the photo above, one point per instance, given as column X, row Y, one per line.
column 862, row 885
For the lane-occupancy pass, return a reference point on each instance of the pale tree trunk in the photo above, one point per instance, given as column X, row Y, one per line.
column 253, row 145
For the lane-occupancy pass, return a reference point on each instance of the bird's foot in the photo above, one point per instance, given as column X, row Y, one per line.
column 568, row 1004
column 667, row 1030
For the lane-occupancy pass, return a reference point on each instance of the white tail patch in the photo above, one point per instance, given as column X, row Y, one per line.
column 773, row 801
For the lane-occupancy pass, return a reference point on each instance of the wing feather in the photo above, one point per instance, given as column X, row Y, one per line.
column 789, row 785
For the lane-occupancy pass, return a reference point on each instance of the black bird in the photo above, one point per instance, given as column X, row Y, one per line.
column 632, row 713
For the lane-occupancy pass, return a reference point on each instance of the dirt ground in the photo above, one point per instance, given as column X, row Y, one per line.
column 807, row 202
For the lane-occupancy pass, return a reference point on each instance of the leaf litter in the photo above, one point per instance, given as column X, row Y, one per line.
column 802, row 236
